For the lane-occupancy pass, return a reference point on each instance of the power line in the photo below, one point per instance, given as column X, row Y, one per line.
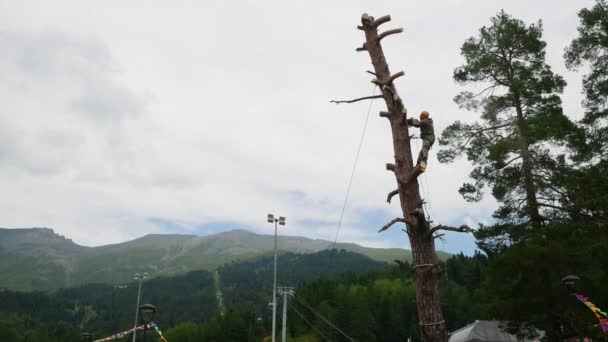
column 305, row 320
column 352, row 174
column 321, row 317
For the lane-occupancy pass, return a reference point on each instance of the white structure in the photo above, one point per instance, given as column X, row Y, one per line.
column 484, row 331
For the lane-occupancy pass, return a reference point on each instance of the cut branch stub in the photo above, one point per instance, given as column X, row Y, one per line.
column 366, row 19
column 417, row 171
column 389, row 32
column 462, row 229
column 391, row 195
column 378, row 83
column 394, row 77
column 387, row 115
column 390, row 167
column 388, row 81
column 382, row 20
column 392, row 222
column 357, row 99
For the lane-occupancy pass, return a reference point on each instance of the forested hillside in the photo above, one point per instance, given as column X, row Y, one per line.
column 191, row 297
column 106, row 308
column 375, row 306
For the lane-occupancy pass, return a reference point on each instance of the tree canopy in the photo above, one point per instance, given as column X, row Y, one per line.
column 514, row 145
column 591, row 48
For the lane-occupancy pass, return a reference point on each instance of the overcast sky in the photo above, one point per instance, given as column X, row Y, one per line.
column 123, row 118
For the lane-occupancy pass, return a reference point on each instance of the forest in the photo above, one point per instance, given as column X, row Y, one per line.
column 353, row 291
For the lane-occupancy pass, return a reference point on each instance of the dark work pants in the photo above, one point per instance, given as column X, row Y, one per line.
column 424, row 151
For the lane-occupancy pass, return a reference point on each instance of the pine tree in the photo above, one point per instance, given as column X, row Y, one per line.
column 591, row 48
column 588, row 183
column 518, row 148
column 514, row 145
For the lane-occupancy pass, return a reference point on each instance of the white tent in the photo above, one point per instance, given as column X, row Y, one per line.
column 483, row 331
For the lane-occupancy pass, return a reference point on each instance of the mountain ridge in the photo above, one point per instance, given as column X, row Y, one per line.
column 40, row 259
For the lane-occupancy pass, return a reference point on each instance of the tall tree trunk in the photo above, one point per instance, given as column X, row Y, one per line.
column 526, row 165
column 552, row 325
column 432, row 326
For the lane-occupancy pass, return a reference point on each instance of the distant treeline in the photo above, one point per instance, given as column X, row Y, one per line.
column 107, row 309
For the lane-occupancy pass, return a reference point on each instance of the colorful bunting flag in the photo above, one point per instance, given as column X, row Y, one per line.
column 601, row 315
column 160, row 333
column 124, row 334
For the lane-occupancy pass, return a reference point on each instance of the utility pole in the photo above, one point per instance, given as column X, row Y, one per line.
column 421, row 235
column 140, row 278
column 281, row 221
column 285, row 291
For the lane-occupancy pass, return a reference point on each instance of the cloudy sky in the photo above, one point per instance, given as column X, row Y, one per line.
column 123, row 118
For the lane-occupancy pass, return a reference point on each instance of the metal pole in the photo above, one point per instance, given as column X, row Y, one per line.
column 137, row 308
column 284, row 332
column 274, row 287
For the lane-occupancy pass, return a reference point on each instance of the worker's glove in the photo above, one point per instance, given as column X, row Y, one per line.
column 410, row 121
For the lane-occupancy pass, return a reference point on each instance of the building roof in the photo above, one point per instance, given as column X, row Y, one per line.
column 482, row 331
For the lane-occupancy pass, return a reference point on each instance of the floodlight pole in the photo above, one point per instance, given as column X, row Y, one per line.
column 139, row 277
column 274, row 287
column 281, row 221
column 285, row 291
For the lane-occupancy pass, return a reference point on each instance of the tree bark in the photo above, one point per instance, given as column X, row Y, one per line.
column 430, row 317
column 526, row 165
column 552, row 325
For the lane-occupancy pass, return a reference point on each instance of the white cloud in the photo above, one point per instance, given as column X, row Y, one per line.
column 116, row 113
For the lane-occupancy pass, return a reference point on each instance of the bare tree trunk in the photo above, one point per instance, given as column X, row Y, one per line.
column 432, row 326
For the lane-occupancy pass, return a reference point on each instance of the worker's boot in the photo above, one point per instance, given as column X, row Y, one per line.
column 421, row 166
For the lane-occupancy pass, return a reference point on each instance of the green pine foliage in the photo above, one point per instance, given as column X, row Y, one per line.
column 547, row 172
column 514, row 147
column 591, row 48
column 381, row 306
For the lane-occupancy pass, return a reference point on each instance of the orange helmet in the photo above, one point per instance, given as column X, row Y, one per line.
column 424, row 114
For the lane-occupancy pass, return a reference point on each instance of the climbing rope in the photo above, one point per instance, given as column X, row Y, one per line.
column 352, row 174
column 434, row 323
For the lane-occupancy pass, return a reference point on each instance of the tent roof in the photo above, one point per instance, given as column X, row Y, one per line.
column 486, row 331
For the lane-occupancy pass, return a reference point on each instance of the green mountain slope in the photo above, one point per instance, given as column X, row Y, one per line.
column 189, row 297
column 39, row 259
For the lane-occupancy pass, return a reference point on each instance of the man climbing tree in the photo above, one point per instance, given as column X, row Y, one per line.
column 427, row 134
column 426, row 265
